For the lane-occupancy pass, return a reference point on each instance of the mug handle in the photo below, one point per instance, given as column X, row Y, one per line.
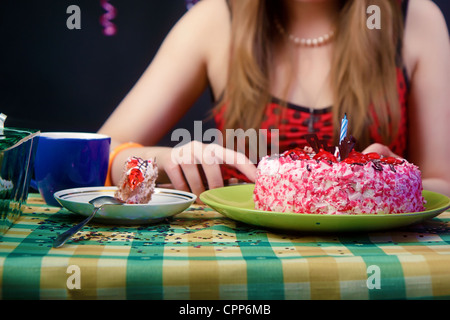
column 33, row 184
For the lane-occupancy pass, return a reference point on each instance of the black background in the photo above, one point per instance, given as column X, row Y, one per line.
column 56, row 79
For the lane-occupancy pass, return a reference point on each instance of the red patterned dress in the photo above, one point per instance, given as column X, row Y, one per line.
column 297, row 121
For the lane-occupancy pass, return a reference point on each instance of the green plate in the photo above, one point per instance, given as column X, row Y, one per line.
column 236, row 202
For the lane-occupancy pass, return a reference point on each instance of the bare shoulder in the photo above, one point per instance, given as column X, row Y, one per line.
column 214, row 15
column 425, row 14
column 425, row 31
column 205, row 30
column 212, row 21
column 207, row 15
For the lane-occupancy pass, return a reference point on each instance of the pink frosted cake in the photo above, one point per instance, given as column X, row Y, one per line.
column 307, row 181
column 137, row 183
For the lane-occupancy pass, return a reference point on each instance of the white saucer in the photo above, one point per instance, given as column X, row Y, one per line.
column 165, row 203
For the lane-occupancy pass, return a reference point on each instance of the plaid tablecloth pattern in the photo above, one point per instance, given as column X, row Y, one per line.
column 200, row 254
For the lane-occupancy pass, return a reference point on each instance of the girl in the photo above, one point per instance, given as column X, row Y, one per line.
column 299, row 66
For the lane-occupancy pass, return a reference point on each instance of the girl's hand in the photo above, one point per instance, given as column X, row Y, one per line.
column 380, row 149
column 195, row 166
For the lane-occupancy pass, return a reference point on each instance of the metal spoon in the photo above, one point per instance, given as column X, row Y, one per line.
column 97, row 203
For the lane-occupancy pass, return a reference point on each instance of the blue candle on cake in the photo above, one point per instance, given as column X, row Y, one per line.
column 344, row 125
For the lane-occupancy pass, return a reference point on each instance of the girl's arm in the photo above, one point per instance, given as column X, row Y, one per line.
column 427, row 41
column 177, row 76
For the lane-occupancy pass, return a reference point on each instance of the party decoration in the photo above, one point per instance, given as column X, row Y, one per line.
column 190, row 3
column 109, row 28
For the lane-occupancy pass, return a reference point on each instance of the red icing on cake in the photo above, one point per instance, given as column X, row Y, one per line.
column 303, row 181
column 137, row 183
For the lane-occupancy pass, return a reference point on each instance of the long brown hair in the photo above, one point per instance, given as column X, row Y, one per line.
column 363, row 67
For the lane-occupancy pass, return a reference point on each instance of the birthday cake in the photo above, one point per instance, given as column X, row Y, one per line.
column 137, row 183
column 315, row 180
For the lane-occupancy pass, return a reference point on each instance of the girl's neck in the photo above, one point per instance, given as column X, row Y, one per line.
column 311, row 18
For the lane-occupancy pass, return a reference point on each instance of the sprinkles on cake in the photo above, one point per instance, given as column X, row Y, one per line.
column 322, row 179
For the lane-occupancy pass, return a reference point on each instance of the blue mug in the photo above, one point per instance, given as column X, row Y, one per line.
column 67, row 160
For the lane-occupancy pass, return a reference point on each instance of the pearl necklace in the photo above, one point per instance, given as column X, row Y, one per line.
column 309, row 42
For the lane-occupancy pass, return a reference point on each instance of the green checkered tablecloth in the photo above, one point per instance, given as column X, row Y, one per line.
column 199, row 254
